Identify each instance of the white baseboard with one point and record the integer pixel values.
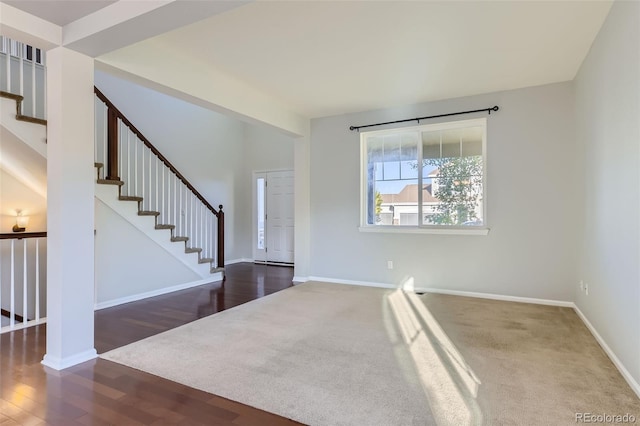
(62, 363)
(492, 296)
(135, 297)
(299, 280)
(450, 292)
(20, 326)
(612, 356)
(351, 282)
(240, 260)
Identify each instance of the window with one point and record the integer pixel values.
(430, 176)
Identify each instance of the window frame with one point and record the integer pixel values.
(422, 228)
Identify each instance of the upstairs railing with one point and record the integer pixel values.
(23, 279)
(23, 74)
(127, 156)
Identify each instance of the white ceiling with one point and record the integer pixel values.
(59, 12)
(330, 57)
(324, 58)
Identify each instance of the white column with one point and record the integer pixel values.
(70, 209)
(302, 207)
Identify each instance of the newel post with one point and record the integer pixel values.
(112, 145)
(220, 237)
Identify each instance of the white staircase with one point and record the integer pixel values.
(128, 209)
(152, 196)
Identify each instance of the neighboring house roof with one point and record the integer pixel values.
(409, 194)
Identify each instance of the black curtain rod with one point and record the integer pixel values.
(495, 108)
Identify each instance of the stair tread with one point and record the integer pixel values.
(165, 226)
(110, 182)
(129, 198)
(192, 250)
(178, 239)
(11, 95)
(148, 213)
(29, 119)
(206, 260)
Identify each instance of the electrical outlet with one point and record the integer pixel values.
(389, 264)
(586, 289)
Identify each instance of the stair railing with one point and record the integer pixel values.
(127, 156)
(23, 74)
(23, 279)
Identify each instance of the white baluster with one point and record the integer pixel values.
(12, 300)
(120, 151)
(175, 202)
(157, 183)
(8, 66)
(128, 161)
(195, 222)
(95, 130)
(33, 81)
(181, 219)
(185, 211)
(206, 228)
(164, 220)
(142, 194)
(203, 228)
(1, 46)
(24, 281)
(169, 206)
(44, 87)
(135, 167)
(104, 140)
(37, 315)
(21, 46)
(192, 235)
(150, 182)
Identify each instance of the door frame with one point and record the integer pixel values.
(254, 214)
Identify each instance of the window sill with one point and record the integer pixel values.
(421, 230)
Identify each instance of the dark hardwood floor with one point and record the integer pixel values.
(100, 392)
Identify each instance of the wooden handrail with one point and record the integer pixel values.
(21, 235)
(112, 156)
(112, 172)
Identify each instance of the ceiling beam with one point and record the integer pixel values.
(127, 22)
(24, 27)
(186, 79)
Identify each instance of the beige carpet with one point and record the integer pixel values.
(329, 354)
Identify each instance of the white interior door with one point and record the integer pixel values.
(273, 213)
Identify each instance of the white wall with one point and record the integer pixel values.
(265, 149)
(16, 195)
(531, 203)
(128, 263)
(215, 153)
(206, 147)
(608, 128)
